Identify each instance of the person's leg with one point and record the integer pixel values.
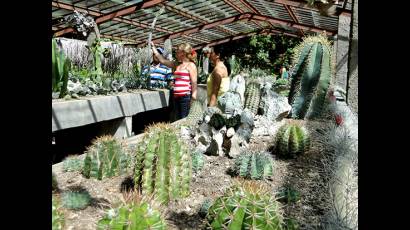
(177, 108)
(185, 103)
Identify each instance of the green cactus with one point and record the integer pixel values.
(73, 164)
(134, 216)
(252, 97)
(60, 67)
(291, 224)
(196, 111)
(292, 139)
(234, 121)
(248, 205)
(54, 184)
(205, 207)
(217, 121)
(254, 165)
(76, 198)
(105, 158)
(311, 78)
(163, 164)
(57, 216)
(288, 195)
(197, 161)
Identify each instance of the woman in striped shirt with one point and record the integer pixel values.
(185, 75)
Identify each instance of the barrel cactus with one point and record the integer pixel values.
(56, 215)
(196, 111)
(311, 78)
(246, 205)
(254, 165)
(252, 97)
(292, 139)
(217, 121)
(163, 164)
(73, 164)
(76, 198)
(133, 216)
(106, 158)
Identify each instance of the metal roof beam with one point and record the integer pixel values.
(224, 40)
(293, 16)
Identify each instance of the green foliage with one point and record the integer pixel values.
(57, 217)
(254, 165)
(163, 165)
(311, 78)
(281, 82)
(252, 97)
(134, 216)
(234, 65)
(73, 164)
(54, 183)
(60, 67)
(197, 160)
(105, 158)
(291, 140)
(291, 224)
(97, 52)
(76, 198)
(217, 121)
(248, 205)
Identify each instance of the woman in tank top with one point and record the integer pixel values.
(185, 75)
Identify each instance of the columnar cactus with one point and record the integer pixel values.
(56, 215)
(134, 216)
(76, 198)
(163, 164)
(248, 205)
(254, 165)
(105, 158)
(292, 139)
(196, 111)
(311, 78)
(252, 97)
(73, 164)
(197, 160)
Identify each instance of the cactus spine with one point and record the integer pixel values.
(258, 165)
(163, 164)
(105, 158)
(292, 139)
(311, 79)
(248, 205)
(252, 97)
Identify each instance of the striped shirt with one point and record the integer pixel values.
(182, 84)
(158, 74)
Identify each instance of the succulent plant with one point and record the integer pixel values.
(133, 216)
(73, 164)
(196, 111)
(60, 68)
(311, 79)
(203, 210)
(105, 158)
(197, 160)
(57, 216)
(163, 165)
(217, 121)
(76, 198)
(292, 139)
(288, 195)
(252, 97)
(254, 165)
(54, 184)
(247, 205)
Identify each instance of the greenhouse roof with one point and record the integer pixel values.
(198, 22)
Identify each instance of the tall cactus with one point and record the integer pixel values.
(105, 158)
(196, 111)
(311, 78)
(292, 139)
(248, 205)
(254, 165)
(60, 67)
(252, 97)
(163, 164)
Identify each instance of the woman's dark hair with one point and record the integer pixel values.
(219, 50)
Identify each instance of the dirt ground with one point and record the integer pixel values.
(303, 174)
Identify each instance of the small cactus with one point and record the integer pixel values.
(205, 207)
(57, 217)
(217, 121)
(54, 184)
(76, 198)
(254, 165)
(197, 161)
(248, 205)
(105, 158)
(73, 164)
(196, 111)
(252, 97)
(292, 139)
(133, 216)
(288, 195)
(163, 164)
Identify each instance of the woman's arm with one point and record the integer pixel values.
(193, 75)
(161, 59)
(216, 84)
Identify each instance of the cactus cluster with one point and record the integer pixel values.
(73, 164)
(252, 97)
(57, 217)
(217, 121)
(197, 160)
(163, 165)
(246, 205)
(196, 111)
(292, 139)
(254, 165)
(105, 158)
(76, 198)
(134, 216)
(311, 78)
